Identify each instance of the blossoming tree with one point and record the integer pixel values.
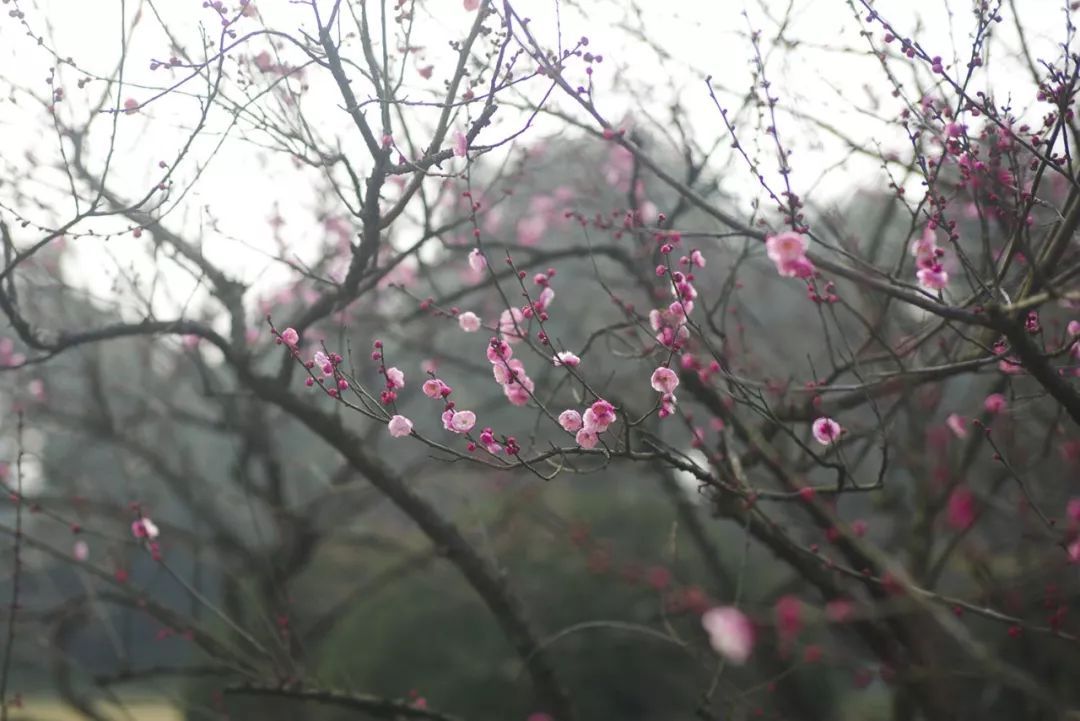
(474, 254)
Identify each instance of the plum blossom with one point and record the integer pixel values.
(664, 380)
(461, 144)
(587, 439)
(930, 274)
(81, 551)
(566, 358)
(511, 323)
(788, 252)
(477, 261)
(435, 389)
(471, 5)
(462, 421)
(730, 633)
(469, 322)
(995, 403)
(957, 425)
(570, 420)
(826, 431)
(144, 528)
(290, 337)
(399, 426)
(395, 379)
(598, 416)
(1074, 551)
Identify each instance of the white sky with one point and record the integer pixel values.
(240, 184)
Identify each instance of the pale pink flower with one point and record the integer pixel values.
(566, 358)
(785, 247)
(290, 337)
(546, 296)
(664, 380)
(80, 550)
(512, 325)
(1073, 328)
(509, 371)
(995, 403)
(499, 351)
(144, 528)
(570, 420)
(471, 5)
(462, 421)
(587, 439)
(957, 425)
(933, 278)
(477, 261)
(730, 633)
(517, 394)
(598, 417)
(399, 426)
(395, 378)
(796, 268)
(433, 388)
(697, 259)
(469, 321)
(826, 431)
(1074, 551)
(461, 144)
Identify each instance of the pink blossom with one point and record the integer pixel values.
(598, 416)
(477, 261)
(517, 394)
(80, 550)
(290, 337)
(461, 144)
(499, 350)
(785, 247)
(730, 633)
(796, 268)
(566, 358)
(509, 371)
(144, 528)
(462, 421)
(471, 5)
(570, 420)
(933, 278)
(961, 509)
(664, 380)
(697, 259)
(1074, 551)
(395, 379)
(435, 388)
(546, 296)
(587, 439)
(957, 425)
(511, 325)
(399, 426)
(994, 403)
(1073, 328)
(469, 322)
(826, 431)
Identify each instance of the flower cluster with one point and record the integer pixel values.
(588, 426)
(509, 372)
(931, 274)
(664, 381)
(788, 251)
